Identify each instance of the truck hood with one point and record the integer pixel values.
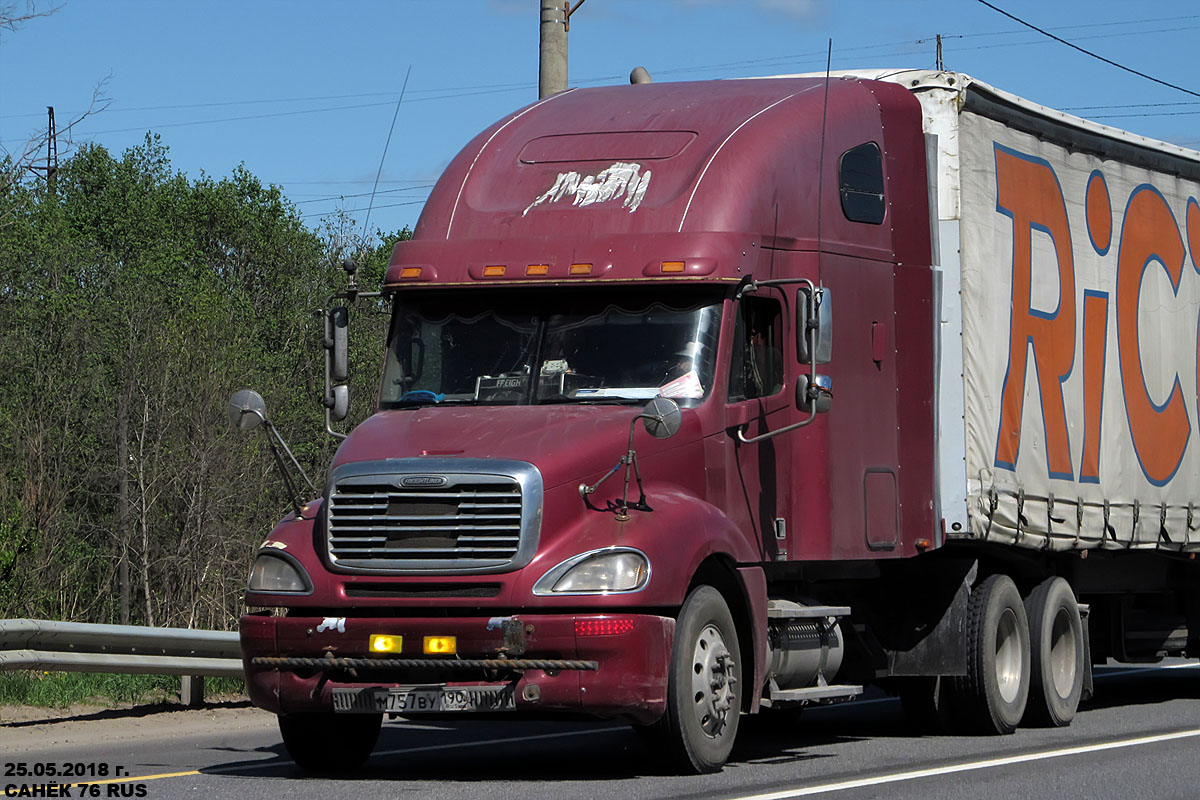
(566, 443)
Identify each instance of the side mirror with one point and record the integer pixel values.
(246, 410)
(338, 402)
(662, 418)
(337, 344)
(814, 395)
(814, 315)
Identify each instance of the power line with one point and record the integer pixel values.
(325, 198)
(1130, 105)
(217, 104)
(354, 210)
(1088, 52)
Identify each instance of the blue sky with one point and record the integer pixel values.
(303, 92)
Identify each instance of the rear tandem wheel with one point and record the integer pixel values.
(992, 696)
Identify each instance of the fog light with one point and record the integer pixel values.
(386, 643)
(441, 645)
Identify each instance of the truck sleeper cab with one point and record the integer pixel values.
(513, 531)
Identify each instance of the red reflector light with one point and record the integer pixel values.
(611, 626)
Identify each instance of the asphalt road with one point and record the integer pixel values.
(1137, 738)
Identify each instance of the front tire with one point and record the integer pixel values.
(703, 688)
(992, 696)
(1056, 636)
(328, 743)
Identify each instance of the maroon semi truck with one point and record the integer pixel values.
(701, 399)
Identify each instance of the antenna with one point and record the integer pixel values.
(383, 157)
(821, 157)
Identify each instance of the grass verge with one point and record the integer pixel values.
(65, 689)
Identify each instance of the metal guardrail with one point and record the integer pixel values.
(126, 649)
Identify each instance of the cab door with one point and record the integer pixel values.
(756, 403)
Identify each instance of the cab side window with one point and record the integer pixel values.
(860, 173)
(756, 369)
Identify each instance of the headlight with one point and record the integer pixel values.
(274, 574)
(612, 570)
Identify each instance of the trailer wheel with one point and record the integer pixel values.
(1056, 636)
(703, 695)
(328, 743)
(992, 696)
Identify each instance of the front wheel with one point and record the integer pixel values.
(703, 689)
(328, 743)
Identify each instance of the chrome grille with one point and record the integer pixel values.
(377, 523)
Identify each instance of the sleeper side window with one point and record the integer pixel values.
(860, 173)
(756, 369)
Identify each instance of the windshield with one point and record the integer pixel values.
(525, 347)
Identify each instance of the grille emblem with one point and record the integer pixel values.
(423, 480)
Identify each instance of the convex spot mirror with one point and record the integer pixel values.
(246, 410)
(814, 398)
(338, 402)
(662, 418)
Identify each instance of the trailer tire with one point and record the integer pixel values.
(992, 696)
(328, 743)
(703, 690)
(1057, 652)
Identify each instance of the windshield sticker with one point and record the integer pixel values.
(622, 181)
(688, 386)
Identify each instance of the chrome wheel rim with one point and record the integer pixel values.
(712, 681)
(1008, 656)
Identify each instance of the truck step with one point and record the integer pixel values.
(811, 694)
(786, 609)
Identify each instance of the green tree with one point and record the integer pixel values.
(133, 302)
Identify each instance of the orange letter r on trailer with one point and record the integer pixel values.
(1027, 190)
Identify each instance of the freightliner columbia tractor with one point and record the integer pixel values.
(705, 399)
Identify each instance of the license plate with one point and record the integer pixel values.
(424, 699)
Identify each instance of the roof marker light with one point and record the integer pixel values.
(410, 272)
(494, 271)
(581, 269)
(537, 269)
(672, 266)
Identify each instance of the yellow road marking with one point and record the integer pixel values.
(137, 779)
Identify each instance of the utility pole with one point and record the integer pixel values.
(552, 64)
(51, 168)
(940, 65)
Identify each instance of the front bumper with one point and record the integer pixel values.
(631, 654)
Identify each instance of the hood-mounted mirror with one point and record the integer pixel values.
(662, 420)
(247, 411)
